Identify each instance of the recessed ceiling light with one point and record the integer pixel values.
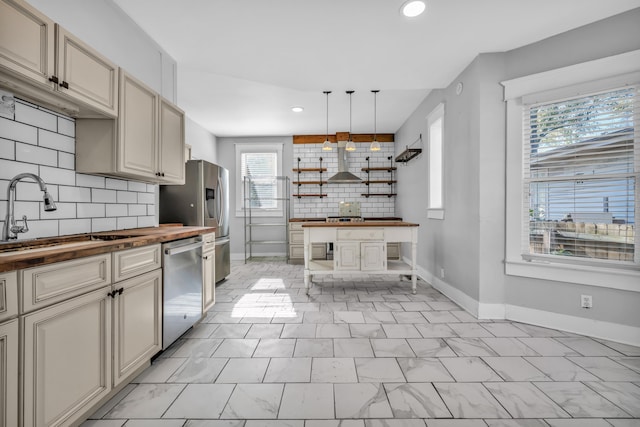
(413, 8)
(297, 109)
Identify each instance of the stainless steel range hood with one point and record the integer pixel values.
(343, 176)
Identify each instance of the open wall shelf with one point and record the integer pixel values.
(319, 182)
(408, 154)
(390, 182)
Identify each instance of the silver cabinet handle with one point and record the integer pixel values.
(183, 248)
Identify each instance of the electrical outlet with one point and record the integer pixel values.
(586, 301)
(441, 272)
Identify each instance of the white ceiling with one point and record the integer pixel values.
(242, 64)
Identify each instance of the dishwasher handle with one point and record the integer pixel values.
(183, 248)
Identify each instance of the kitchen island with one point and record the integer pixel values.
(359, 248)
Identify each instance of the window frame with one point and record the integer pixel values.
(567, 82)
(438, 113)
(266, 147)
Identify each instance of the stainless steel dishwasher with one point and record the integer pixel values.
(182, 287)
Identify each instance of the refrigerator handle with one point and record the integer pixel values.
(219, 204)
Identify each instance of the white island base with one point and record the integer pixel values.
(359, 248)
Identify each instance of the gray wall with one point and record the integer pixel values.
(203, 143)
(470, 242)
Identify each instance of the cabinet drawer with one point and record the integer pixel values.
(45, 285)
(296, 237)
(360, 234)
(133, 262)
(8, 295)
(295, 226)
(296, 251)
(209, 241)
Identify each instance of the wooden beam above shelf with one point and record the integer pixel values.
(343, 136)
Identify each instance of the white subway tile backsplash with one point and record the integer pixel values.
(33, 154)
(146, 198)
(75, 226)
(30, 191)
(63, 211)
(34, 117)
(91, 210)
(30, 209)
(9, 169)
(103, 196)
(66, 160)
(66, 127)
(140, 187)
(41, 228)
(42, 142)
(147, 221)
(103, 224)
(56, 141)
(127, 197)
(7, 149)
(137, 210)
(114, 209)
(18, 131)
(52, 175)
(93, 181)
(125, 223)
(115, 184)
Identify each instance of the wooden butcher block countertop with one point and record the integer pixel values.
(20, 254)
(360, 224)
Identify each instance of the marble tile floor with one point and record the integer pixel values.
(365, 352)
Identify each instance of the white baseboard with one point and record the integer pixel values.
(563, 322)
(579, 325)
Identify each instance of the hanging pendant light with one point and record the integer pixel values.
(326, 145)
(375, 145)
(350, 144)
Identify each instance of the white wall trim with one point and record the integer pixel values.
(563, 322)
(579, 325)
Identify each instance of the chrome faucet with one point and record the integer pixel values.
(11, 229)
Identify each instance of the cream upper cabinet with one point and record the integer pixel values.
(67, 359)
(171, 143)
(9, 373)
(27, 45)
(145, 142)
(137, 323)
(137, 128)
(35, 49)
(85, 75)
(8, 295)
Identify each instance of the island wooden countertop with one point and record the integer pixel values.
(21, 254)
(360, 224)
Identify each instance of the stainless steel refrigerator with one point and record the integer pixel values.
(203, 200)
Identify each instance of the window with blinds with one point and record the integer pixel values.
(581, 169)
(258, 171)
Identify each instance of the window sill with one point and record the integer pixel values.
(435, 213)
(612, 278)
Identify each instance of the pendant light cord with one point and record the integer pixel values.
(375, 114)
(327, 92)
(350, 92)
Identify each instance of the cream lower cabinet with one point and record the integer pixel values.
(208, 272)
(137, 323)
(9, 373)
(67, 359)
(296, 245)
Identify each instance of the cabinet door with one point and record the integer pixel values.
(86, 75)
(374, 256)
(8, 295)
(9, 373)
(347, 256)
(137, 323)
(137, 128)
(26, 41)
(208, 280)
(171, 146)
(67, 359)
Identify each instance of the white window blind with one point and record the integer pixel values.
(581, 170)
(258, 172)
